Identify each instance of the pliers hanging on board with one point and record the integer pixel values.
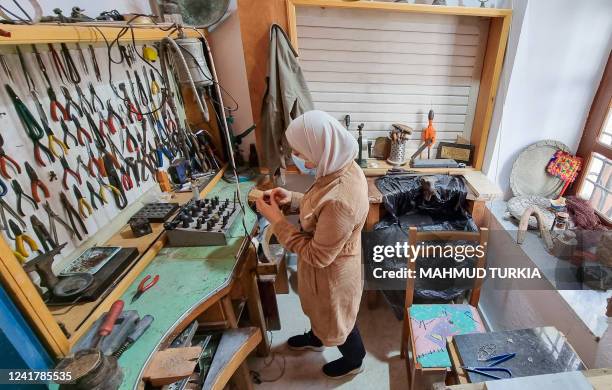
(53, 141)
(72, 72)
(21, 239)
(24, 68)
(95, 161)
(20, 194)
(42, 233)
(67, 171)
(82, 203)
(4, 208)
(67, 134)
(95, 99)
(81, 131)
(83, 102)
(34, 131)
(57, 63)
(54, 104)
(36, 184)
(93, 195)
(112, 114)
(126, 180)
(70, 103)
(53, 216)
(133, 165)
(4, 159)
(114, 190)
(72, 215)
(114, 180)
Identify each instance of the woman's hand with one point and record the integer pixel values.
(270, 211)
(280, 195)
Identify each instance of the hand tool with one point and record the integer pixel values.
(4, 159)
(67, 134)
(103, 122)
(97, 162)
(112, 114)
(130, 141)
(55, 105)
(126, 180)
(133, 165)
(21, 239)
(68, 170)
(93, 195)
(114, 190)
(72, 215)
(6, 68)
(72, 71)
(144, 286)
(41, 65)
(83, 102)
(495, 360)
(124, 55)
(98, 133)
(82, 58)
(94, 61)
(154, 86)
(20, 194)
(141, 91)
(140, 328)
(42, 233)
(131, 109)
(36, 183)
(57, 63)
(81, 164)
(95, 99)
(34, 131)
(53, 141)
(113, 179)
(4, 208)
(81, 132)
(24, 69)
(70, 103)
(82, 203)
(53, 216)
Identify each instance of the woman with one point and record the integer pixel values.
(328, 241)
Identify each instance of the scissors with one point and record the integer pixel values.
(492, 367)
(144, 286)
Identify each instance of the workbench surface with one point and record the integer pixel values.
(188, 277)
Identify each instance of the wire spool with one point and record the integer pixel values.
(196, 63)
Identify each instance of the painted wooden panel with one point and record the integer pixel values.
(383, 67)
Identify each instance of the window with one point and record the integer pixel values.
(595, 182)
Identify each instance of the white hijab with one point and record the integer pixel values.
(320, 138)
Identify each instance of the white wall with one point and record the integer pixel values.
(558, 58)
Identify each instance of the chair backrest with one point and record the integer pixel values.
(414, 237)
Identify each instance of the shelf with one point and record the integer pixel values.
(56, 33)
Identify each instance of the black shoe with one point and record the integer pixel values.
(341, 368)
(305, 341)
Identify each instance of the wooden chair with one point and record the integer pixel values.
(421, 364)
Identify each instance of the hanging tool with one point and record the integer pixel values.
(54, 105)
(24, 69)
(53, 216)
(53, 141)
(70, 102)
(81, 132)
(67, 171)
(95, 99)
(114, 190)
(5, 208)
(95, 161)
(82, 58)
(96, 131)
(21, 239)
(6, 68)
(133, 165)
(67, 134)
(112, 114)
(20, 194)
(42, 233)
(41, 65)
(72, 72)
(144, 286)
(32, 128)
(4, 159)
(36, 184)
(58, 66)
(72, 215)
(94, 61)
(93, 195)
(495, 360)
(126, 180)
(140, 328)
(114, 180)
(82, 203)
(83, 102)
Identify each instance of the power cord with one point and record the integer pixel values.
(256, 375)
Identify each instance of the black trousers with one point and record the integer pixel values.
(352, 350)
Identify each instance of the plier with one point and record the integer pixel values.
(492, 367)
(4, 159)
(53, 216)
(93, 195)
(70, 102)
(114, 180)
(72, 214)
(67, 134)
(95, 99)
(81, 131)
(21, 239)
(20, 194)
(5, 207)
(144, 286)
(97, 162)
(114, 190)
(112, 114)
(83, 102)
(53, 141)
(68, 170)
(133, 165)
(126, 180)
(82, 203)
(36, 183)
(42, 233)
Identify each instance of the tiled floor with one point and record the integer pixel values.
(381, 335)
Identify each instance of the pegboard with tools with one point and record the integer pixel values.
(84, 130)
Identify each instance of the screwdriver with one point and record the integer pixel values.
(140, 328)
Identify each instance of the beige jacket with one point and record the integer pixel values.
(332, 213)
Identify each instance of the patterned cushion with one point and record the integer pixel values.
(432, 324)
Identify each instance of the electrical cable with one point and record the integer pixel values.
(256, 375)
